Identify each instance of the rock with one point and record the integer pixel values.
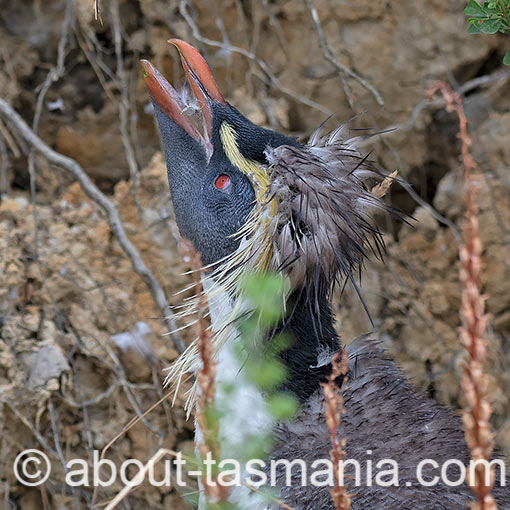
(47, 363)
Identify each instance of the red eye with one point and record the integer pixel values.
(222, 181)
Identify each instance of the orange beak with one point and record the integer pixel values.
(202, 83)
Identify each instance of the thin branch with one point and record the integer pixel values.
(424, 105)
(58, 448)
(112, 213)
(330, 57)
(33, 429)
(428, 103)
(4, 157)
(124, 106)
(9, 140)
(125, 429)
(139, 477)
(54, 74)
(97, 12)
(248, 54)
(423, 203)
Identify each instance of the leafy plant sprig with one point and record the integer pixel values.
(266, 293)
(262, 371)
(491, 17)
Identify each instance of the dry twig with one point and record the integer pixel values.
(3, 167)
(380, 190)
(476, 416)
(127, 427)
(429, 103)
(124, 105)
(334, 403)
(425, 105)
(139, 477)
(54, 74)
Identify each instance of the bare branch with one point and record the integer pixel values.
(427, 104)
(330, 57)
(124, 105)
(3, 167)
(54, 74)
(9, 140)
(56, 440)
(139, 477)
(248, 54)
(112, 213)
(408, 124)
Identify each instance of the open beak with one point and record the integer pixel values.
(204, 88)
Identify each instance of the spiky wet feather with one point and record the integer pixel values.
(325, 219)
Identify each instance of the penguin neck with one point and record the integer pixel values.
(313, 340)
(310, 333)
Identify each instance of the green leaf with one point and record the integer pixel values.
(212, 418)
(474, 9)
(267, 373)
(228, 388)
(256, 447)
(265, 291)
(282, 406)
(251, 333)
(490, 26)
(261, 286)
(224, 505)
(492, 8)
(474, 28)
(506, 58)
(278, 344)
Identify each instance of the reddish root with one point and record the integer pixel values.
(477, 411)
(334, 404)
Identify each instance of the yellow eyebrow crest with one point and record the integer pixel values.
(255, 172)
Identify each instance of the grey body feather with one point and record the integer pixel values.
(386, 415)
